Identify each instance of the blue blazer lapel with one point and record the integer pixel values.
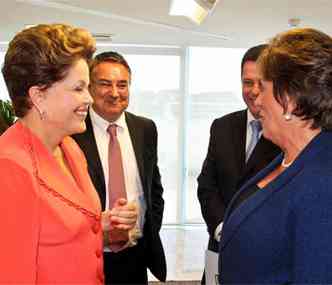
(234, 219)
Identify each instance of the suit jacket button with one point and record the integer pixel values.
(96, 227)
(98, 253)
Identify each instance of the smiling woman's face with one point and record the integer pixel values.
(66, 102)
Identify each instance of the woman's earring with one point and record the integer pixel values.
(42, 113)
(288, 116)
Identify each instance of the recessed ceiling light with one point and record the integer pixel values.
(195, 10)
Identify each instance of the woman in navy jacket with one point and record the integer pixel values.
(278, 228)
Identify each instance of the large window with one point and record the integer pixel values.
(182, 90)
(155, 93)
(214, 90)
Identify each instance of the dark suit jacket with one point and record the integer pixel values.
(282, 233)
(224, 168)
(143, 135)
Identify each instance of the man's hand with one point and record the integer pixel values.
(106, 220)
(117, 223)
(123, 215)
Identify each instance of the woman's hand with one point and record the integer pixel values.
(124, 215)
(117, 223)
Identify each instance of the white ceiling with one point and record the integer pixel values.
(233, 23)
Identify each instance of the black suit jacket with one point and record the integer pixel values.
(225, 169)
(143, 134)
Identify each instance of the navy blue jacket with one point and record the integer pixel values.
(283, 233)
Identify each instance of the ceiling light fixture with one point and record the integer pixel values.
(195, 10)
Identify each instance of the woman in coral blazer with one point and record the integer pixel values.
(51, 215)
(50, 222)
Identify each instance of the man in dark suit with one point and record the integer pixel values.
(141, 247)
(226, 166)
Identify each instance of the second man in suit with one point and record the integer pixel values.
(140, 248)
(232, 158)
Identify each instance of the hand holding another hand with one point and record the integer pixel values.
(123, 215)
(118, 221)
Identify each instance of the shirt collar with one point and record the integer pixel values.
(250, 117)
(103, 124)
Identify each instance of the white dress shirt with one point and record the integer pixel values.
(133, 182)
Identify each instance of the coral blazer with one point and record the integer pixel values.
(50, 222)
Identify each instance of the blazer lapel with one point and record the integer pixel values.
(234, 219)
(239, 127)
(79, 171)
(59, 184)
(264, 150)
(240, 214)
(137, 139)
(87, 143)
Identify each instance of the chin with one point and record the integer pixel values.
(80, 128)
(267, 135)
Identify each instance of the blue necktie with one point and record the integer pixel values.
(255, 130)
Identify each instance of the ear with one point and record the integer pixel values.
(36, 95)
(290, 104)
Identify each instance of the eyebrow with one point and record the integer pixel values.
(110, 80)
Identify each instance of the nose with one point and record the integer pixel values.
(258, 100)
(255, 89)
(114, 92)
(88, 98)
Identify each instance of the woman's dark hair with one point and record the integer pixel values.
(40, 56)
(299, 64)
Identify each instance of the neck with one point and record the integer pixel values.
(297, 144)
(39, 128)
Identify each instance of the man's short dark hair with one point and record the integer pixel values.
(252, 54)
(109, 56)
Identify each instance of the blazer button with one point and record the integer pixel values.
(96, 227)
(98, 253)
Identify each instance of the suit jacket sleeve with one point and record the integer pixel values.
(156, 186)
(212, 206)
(19, 224)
